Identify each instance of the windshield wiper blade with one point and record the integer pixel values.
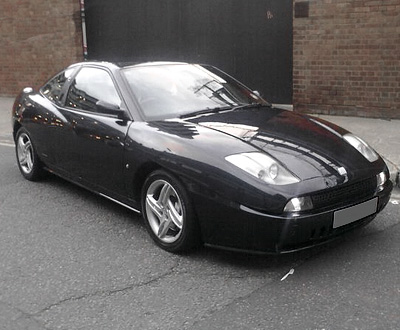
(205, 111)
(219, 109)
(252, 105)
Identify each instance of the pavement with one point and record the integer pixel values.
(6, 104)
(382, 134)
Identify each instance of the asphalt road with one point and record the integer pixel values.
(72, 260)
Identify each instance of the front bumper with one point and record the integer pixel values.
(240, 228)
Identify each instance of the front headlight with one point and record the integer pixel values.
(362, 147)
(263, 167)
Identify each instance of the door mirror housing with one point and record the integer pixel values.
(111, 109)
(28, 90)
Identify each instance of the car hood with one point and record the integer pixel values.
(307, 146)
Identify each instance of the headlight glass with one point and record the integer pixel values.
(263, 167)
(362, 147)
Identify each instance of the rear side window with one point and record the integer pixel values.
(53, 90)
(90, 86)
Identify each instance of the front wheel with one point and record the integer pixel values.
(27, 158)
(168, 213)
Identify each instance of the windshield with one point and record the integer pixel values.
(166, 91)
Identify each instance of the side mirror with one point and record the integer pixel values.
(111, 109)
(27, 90)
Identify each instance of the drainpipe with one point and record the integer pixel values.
(84, 39)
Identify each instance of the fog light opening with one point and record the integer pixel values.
(299, 204)
(381, 179)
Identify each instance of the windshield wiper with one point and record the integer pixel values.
(252, 105)
(219, 109)
(205, 111)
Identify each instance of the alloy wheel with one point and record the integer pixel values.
(164, 211)
(25, 153)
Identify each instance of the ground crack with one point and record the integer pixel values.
(276, 278)
(108, 293)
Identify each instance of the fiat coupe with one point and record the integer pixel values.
(203, 158)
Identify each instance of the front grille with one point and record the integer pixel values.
(343, 194)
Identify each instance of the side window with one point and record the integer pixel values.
(90, 86)
(53, 89)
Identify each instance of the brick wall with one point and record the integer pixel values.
(37, 39)
(347, 57)
(346, 52)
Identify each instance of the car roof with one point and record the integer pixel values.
(116, 65)
(155, 63)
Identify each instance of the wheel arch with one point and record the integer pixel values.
(193, 233)
(140, 177)
(16, 127)
(145, 170)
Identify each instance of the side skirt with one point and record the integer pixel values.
(91, 190)
(120, 203)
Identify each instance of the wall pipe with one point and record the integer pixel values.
(84, 38)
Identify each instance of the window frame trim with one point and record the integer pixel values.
(111, 75)
(64, 89)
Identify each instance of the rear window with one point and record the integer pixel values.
(54, 89)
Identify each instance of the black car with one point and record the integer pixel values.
(203, 158)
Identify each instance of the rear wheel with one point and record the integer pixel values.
(168, 213)
(27, 158)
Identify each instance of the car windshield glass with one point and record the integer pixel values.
(166, 91)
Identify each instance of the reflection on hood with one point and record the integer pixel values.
(182, 129)
(292, 139)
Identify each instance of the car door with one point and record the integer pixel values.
(42, 115)
(91, 144)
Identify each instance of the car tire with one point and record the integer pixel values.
(28, 161)
(168, 213)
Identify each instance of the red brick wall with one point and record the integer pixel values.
(347, 58)
(37, 39)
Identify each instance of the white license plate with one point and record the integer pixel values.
(354, 213)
